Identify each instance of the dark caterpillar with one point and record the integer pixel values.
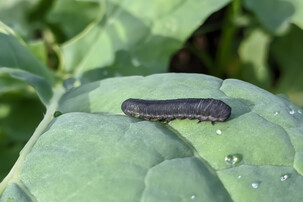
(166, 110)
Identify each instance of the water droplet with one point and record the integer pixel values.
(239, 176)
(299, 111)
(255, 185)
(233, 159)
(276, 113)
(57, 113)
(193, 197)
(284, 177)
(292, 111)
(219, 132)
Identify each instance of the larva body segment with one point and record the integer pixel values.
(166, 110)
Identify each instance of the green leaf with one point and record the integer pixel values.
(276, 15)
(64, 14)
(94, 152)
(9, 84)
(14, 13)
(17, 62)
(154, 33)
(298, 16)
(41, 86)
(15, 55)
(129, 169)
(254, 53)
(38, 48)
(287, 53)
(282, 183)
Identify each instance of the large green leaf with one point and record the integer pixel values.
(92, 152)
(145, 34)
(276, 15)
(64, 14)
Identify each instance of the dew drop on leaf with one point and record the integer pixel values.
(292, 111)
(57, 113)
(255, 185)
(284, 177)
(219, 132)
(233, 159)
(193, 197)
(276, 113)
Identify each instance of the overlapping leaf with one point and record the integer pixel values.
(276, 15)
(17, 62)
(130, 33)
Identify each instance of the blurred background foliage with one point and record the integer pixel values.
(259, 41)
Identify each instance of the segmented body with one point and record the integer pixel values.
(166, 110)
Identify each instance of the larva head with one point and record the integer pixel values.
(130, 107)
(220, 110)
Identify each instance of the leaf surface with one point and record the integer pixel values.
(104, 155)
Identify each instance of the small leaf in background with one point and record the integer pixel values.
(298, 16)
(38, 49)
(14, 13)
(287, 52)
(17, 62)
(150, 36)
(275, 15)
(253, 52)
(15, 55)
(41, 86)
(9, 84)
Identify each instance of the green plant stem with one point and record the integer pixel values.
(229, 30)
(13, 175)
